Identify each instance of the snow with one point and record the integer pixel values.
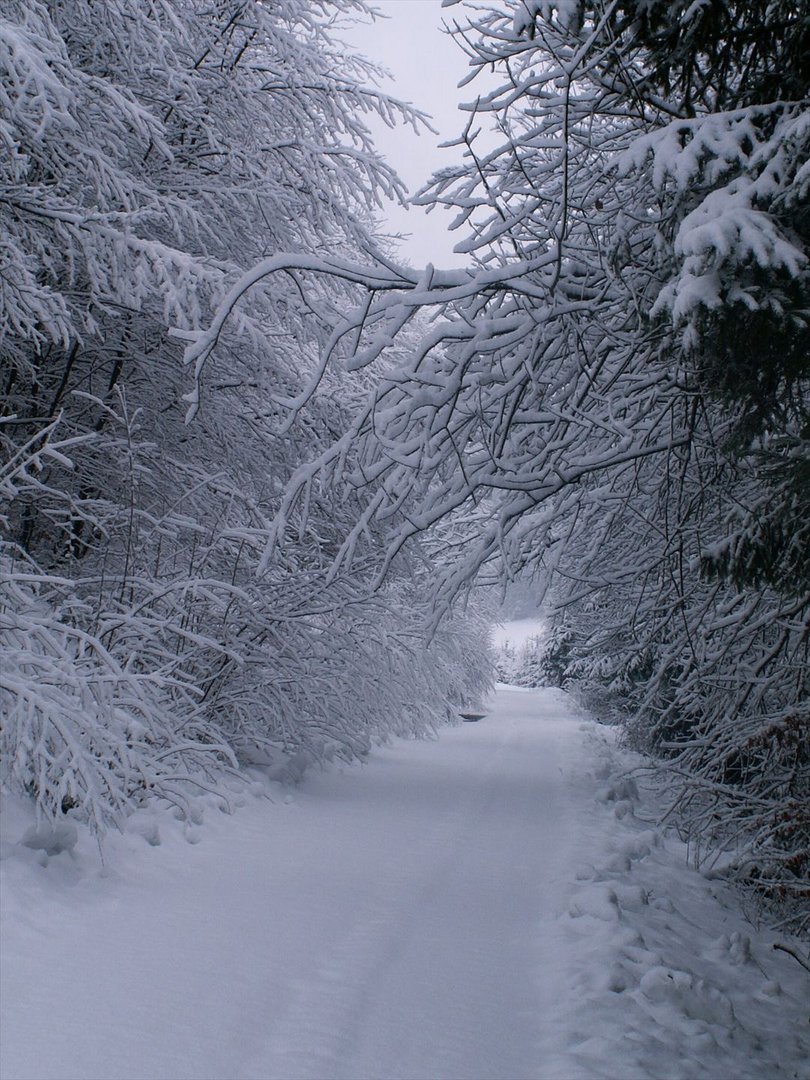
(490, 904)
(517, 632)
(743, 155)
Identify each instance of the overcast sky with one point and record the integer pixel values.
(426, 66)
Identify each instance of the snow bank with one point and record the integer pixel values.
(673, 978)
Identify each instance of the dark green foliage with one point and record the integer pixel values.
(751, 357)
(552, 656)
(721, 54)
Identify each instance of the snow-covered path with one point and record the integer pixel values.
(419, 956)
(414, 917)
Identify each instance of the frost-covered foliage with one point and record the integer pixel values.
(151, 152)
(505, 662)
(615, 396)
(528, 664)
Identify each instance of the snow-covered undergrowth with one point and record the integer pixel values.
(684, 981)
(497, 902)
(103, 712)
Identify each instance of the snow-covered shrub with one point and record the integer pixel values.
(84, 726)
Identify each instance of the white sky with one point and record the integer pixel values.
(426, 66)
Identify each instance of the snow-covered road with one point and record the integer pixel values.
(436, 913)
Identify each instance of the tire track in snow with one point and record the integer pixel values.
(432, 978)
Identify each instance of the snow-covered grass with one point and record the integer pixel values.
(493, 903)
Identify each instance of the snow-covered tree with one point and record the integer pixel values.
(595, 399)
(505, 662)
(153, 151)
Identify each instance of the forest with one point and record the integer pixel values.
(263, 483)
